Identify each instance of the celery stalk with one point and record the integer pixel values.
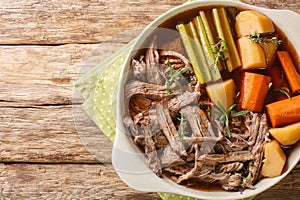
(236, 62)
(218, 25)
(209, 55)
(194, 51)
(210, 37)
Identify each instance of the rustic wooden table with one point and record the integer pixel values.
(44, 47)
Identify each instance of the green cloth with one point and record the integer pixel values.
(98, 88)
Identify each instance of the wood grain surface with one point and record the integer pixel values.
(49, 148)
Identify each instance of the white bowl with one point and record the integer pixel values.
(127, 159)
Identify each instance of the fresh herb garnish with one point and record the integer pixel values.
(258, 38)
(174, 76)
(281, 91)
(220, 50)
(225, 115)
(277, 92)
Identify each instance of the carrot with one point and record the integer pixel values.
(278, 80)
(284, 112)
(289, 70)
(254, 89)
(277, 77)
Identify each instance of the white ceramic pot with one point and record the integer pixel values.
(128, 160)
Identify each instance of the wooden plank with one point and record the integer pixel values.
(69, 181)
(36, 75)
(83, 21)
(97, 181)
(57, 134)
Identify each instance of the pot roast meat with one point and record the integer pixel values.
(180, 101)
(128, 122)
(231, 145)
(197, 120)
(139, 103)
(230, 167)
(139, 68)
(233, 182)
(254, 166)
(151, 91)
(153, 73)
(237, 156)
(169, 158)
(150, 151)
(168, 128)
(252, 124)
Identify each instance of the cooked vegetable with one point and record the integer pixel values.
(274, 160)
(252, 55)
(287, 135)
(250, 22)
(279, 88)
(224, 92)
(195, 53)
(277, 76)
(289, 70)
(254, 88)
(209, 55)
(270, 49)
(234, 55)
(211, 39)
(224, 32)
(284, 112)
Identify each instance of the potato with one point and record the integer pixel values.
(287, 135)
(274, 160)
(270, 49)
(252, 55)
(224, 92)
(251, 22)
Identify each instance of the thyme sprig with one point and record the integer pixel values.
(174, 76)
(220, 51)
(259, 38)
(226, 115)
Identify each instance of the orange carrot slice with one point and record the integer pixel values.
(289, 70)
(284, 112)
(254, 88)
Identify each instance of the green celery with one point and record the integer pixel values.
(235, 58)
(218, 25)
(194, 51)
(210, 37)
(209, 55)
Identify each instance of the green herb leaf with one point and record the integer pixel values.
(241, 113)
(225, 115)
(174, 76)
(258, 38)
(220, 51)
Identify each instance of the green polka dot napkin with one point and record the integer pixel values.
(98, 87)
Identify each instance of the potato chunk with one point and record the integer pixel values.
(270, 49)
(224, 92)
(251, 22)
(252, 55)
(287, 135)
(274, 160)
